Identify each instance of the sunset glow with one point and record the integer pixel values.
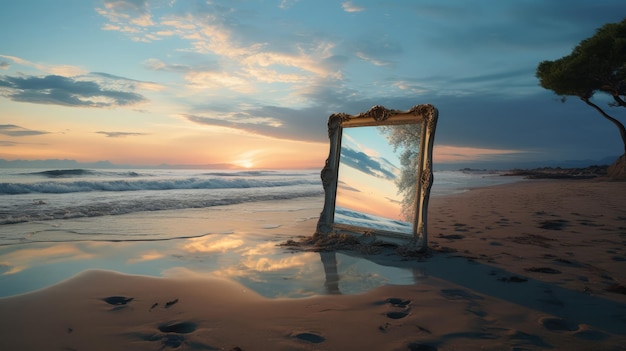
(251, 84)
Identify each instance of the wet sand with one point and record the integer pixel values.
(527, 266)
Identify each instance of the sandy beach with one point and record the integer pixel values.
(533, 265)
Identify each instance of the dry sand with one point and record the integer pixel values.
(528, 266)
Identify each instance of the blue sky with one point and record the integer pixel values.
(252, 83)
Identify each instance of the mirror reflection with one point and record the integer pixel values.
(377, 177)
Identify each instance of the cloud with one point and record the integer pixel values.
(363, 56)
(448, 153)
(158, 65)
(4, 65)
(349, 6)
(129, 16)
(6, 143)
(120, 134)
(63, 70)
(307, 124)
(243, 53)
(285, 4)
(118, 82)
(379, 49)
(341, 184)
(64, 91)
(17, 131)
(377, 167)
(489, 100)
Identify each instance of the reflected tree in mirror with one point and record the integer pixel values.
(405, 139)
(378, 175)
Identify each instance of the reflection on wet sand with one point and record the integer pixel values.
(212, 244)
(254, 260)
(23, 258)
(329, 260)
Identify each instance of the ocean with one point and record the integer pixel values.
(157, 222)
(28, 195)
(34, 195)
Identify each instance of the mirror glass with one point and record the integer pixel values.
(376, 184)
(378, 174)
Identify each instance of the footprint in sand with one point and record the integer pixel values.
(398, 303)
(396, 314)
(171, 336)
(117, 300)
(171, 303)
(179, 328)
(173, 330)
(557, 224)
(558, 324)
(421, 347)
(546, 270)
(172, 340)
(310, 337)
(401, 310)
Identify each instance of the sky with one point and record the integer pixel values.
(367, 173)
(251, 83)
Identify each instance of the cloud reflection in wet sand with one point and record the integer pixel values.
(212, 244)
(190, 243)
(22, 259)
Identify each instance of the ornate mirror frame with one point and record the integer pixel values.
(426, 115)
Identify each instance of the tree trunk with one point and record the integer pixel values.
(620, 126)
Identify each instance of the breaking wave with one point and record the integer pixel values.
(55, 187)
(92, 207)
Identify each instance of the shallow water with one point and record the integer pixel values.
(226, 232)
(239, 242)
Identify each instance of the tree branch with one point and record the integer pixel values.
(620, 126)
(619, 100)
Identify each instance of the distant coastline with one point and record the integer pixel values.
(560, 173)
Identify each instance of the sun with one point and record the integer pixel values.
(246, 163)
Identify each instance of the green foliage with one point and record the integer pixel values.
(597, 64)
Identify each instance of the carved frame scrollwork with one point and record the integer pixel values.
(425, 114)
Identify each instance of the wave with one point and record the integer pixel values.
(79, 172)
(55, 187)
(42, 210)
(354, 218)
(353, 214)
(61, 173)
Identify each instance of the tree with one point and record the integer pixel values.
(596, 65)
(405, 137)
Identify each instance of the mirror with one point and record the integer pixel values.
(378, 175)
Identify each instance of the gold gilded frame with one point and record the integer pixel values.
(427, 116)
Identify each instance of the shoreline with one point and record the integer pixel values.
(526, 265)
